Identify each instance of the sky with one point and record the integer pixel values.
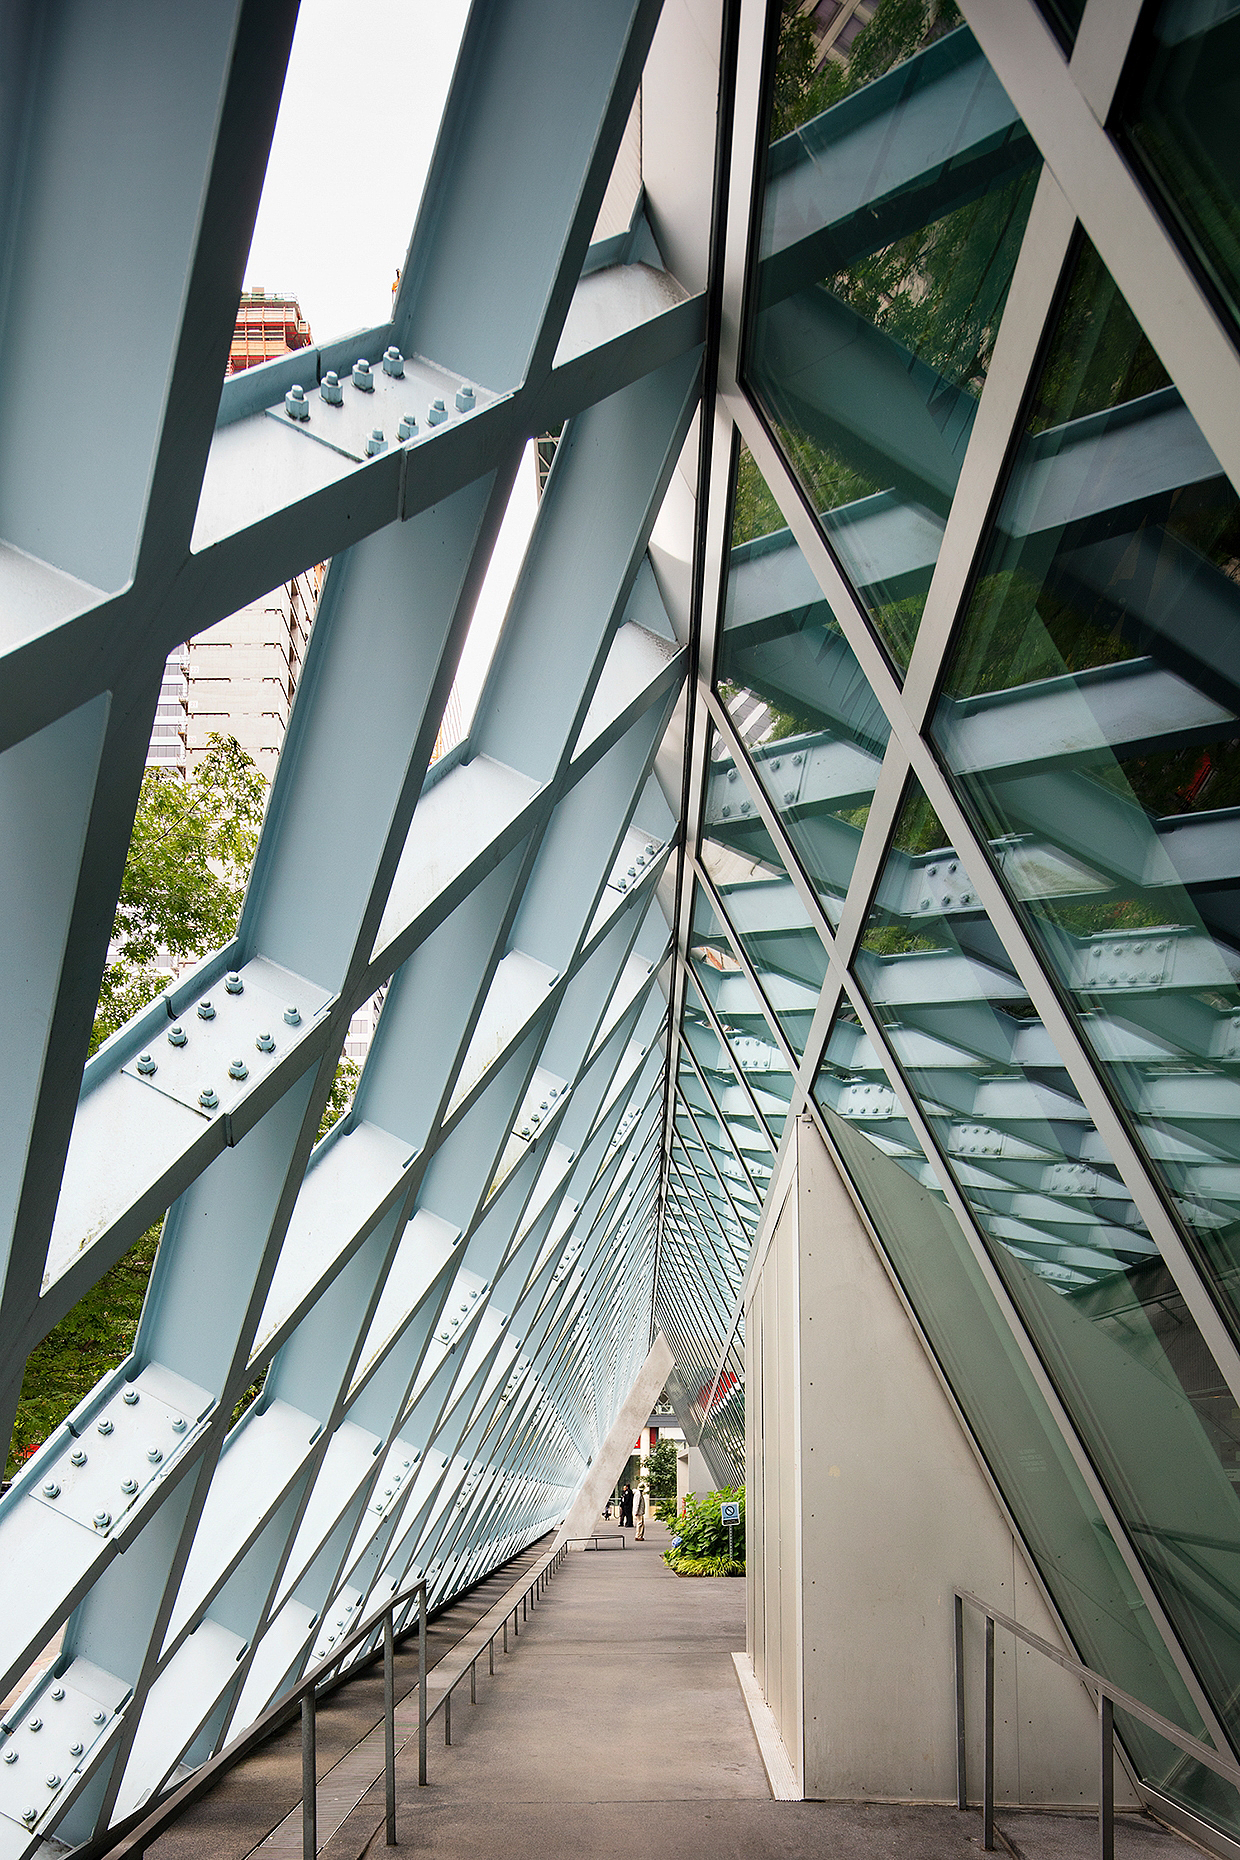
(362, 100)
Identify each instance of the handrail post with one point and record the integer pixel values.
(505, 1633)
(309, 1779)
(389, 1727)
(422, 1685)
(1106, 1778)
(473, 1682)
(988, 1781)
(447, 1716)
(962, 1789)
(491, 1655)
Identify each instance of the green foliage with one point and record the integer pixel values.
(702, 1565)
(897, 29)
(91, 1340)
(701, 1532)
(189, 858)
(754, 510)
(661, 1473)
(348, 1072)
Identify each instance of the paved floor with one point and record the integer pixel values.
(254, 1798)
(615, 1730)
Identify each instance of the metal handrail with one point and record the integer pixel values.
(132, 1843)
(1109, 1696)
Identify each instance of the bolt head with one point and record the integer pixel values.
(58, 1692)
(53, 1781)
(154, 1455)
(10, 1756)
(238, 1070)
(35, 1724)
(51, 1489)
(207, 1098)
(75, 1750)
(102, 1520)
(146, 1065)
(179, 1424)
(105, 1427)
(130, 1398)
(101, 1717)
(177, 1036)
(265, 1043)
(205, 1011)
(292, 1017)
(77, 1457)
(129, 1487)
(234, 984)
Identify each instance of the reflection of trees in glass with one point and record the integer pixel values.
(1019, 631)
(754, 511)
(939, 292)
(897, 29)
(1099, 357)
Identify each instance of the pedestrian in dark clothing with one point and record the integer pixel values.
(626, 1506)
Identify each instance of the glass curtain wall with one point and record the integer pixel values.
(1080, 700)
(898, 183)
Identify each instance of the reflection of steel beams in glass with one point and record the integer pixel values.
(899, 154)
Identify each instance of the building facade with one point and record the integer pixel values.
(812, 982)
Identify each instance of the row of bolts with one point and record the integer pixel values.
(30, 1815)
(331, 392)
(148, 1066)
(103, 1519)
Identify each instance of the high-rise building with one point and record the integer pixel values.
(242, 673)
(268, 324)
(238, 677)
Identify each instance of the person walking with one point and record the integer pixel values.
(626, 1506)
(640, 1510)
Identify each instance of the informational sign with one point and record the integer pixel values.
(730, 1511)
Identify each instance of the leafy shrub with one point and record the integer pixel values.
(702, 1565)
(701, 1533)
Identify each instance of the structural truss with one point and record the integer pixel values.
(861, 745)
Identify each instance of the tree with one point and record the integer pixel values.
(661, 1473)
(189, 858)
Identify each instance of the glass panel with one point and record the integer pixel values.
(896, 195)
(1064, 19)
(762, 1103)
(761, 903)
(1177, 117)
(1071, 1546)
(814, 730)
(726, 986)
(1131, 1366)
(1089, 716)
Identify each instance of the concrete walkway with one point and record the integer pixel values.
(614, 1729)
(617, 1731)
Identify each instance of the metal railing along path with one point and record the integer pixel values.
(1108, 1696)
(131, 1844)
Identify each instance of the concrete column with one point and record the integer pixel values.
(610, 1459)
(867, 1507)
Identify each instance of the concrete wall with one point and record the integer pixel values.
(692, 1474)
(773, 1482)
(596, 1488)
(867, 1507)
